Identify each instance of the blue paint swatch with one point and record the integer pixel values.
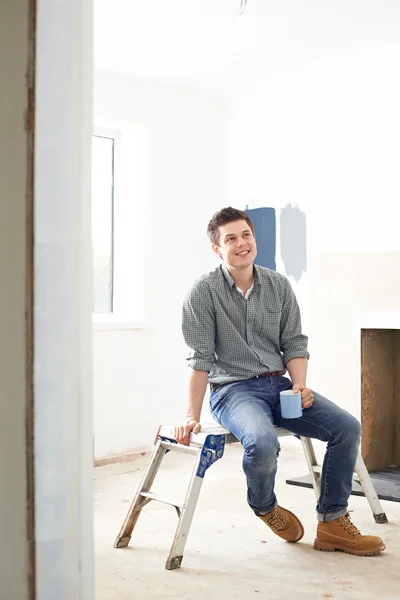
(293, 229)
(264, 221)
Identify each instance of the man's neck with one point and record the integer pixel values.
(243, 278)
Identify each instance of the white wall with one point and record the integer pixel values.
(140, 375)
(322, 135)
(14, 557)
(46, 505)
(326, 138)
(63, 448)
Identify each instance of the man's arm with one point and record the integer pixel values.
(197, 389)
(198, 327)
(294, 345)
(297, 368)
(293, 342)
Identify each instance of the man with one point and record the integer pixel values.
(242, 323)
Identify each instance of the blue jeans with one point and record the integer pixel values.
(249, 409)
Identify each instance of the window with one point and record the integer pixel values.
(103, 163)
(118, 241)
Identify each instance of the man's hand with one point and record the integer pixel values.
(307, 397)
(184, 429)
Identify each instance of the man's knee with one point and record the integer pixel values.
(262, 447)
(353, 428)
(349, 430)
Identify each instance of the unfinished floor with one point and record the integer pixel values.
(230, 553)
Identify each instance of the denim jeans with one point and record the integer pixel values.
(249, 409)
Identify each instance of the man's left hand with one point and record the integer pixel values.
(307, 397)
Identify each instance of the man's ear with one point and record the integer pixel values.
(216, 250)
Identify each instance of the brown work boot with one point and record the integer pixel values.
(342, 534)
(284, 523)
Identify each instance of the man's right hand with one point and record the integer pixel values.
(183, 430)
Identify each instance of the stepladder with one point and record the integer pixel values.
(206, 448)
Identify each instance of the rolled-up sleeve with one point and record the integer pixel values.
(292, 341)
(198, 327)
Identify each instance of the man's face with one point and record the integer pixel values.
(237, 245)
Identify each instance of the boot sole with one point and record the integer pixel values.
(294, 541)
(299, 536)
(328, 547)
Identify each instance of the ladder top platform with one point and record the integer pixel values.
(210, 429)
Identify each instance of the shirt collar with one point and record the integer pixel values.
(229, 278)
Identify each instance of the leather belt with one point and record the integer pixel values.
(267, 374)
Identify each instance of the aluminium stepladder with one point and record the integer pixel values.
(207, 447)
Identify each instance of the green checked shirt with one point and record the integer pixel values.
(234, 338)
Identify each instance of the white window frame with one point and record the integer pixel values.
(128, 234)
(114, 138)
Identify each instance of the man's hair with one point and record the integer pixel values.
(224, 216)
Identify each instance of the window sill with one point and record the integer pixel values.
(115, 322)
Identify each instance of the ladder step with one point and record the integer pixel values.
(158, 498)
(318, 469)
(180, 448)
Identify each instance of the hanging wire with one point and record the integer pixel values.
(243, 4)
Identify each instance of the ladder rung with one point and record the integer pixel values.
(180, 447)
(318, 469)
(158, 498)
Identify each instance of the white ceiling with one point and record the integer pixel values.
(204, 43)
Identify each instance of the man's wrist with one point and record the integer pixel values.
(191, 417)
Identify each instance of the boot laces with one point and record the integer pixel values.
(348, 525)
(275, 519)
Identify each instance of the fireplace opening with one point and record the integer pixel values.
(380, 414)
(380, 409)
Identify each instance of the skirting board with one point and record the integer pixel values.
(119, 458)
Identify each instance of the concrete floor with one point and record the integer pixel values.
(230, 553)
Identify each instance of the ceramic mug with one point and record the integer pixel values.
(291, 404)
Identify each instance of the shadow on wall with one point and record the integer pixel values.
(293, 234)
